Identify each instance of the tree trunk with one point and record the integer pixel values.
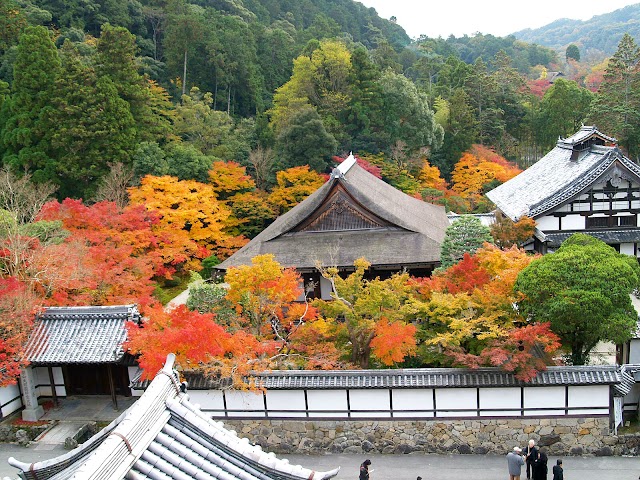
(184, 73)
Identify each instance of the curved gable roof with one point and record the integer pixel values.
(418, 225)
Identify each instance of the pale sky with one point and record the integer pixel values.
(496, 17)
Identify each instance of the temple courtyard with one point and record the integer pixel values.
(398, 467)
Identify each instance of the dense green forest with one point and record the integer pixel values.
(597, 37)
(169, 87)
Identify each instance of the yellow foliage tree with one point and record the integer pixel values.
(190, 208)
(294, 185)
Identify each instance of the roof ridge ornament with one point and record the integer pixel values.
(341, 170)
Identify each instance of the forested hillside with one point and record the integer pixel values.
(597, 37)
(143, 140)
(171, 87)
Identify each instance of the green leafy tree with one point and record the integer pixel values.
(572, 52)
(563, 108)
(406, 115)
(460, 132)
(482, 89)
(150, 159)
(188, 163)
(616, 108)
(305, 141)
(464, 235)
(12, 22)
(210, 131)
(583, 290)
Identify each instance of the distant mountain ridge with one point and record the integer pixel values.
(598, 36)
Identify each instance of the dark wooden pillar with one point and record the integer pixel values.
(54, 394)
(112, 387)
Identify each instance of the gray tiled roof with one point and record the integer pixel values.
(627, 235)
(418, 378)
(556, 177)
(414, 238)
(63, 335)
(162, 436)
(583, 134)
(627, 379)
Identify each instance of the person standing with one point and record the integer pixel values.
(530, 455)
(364, 470)
(540, 466)
(515, 461)
(558, 473)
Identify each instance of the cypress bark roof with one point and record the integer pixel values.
(353, 215)
(571, 167)
(164, 435)
(63, 335)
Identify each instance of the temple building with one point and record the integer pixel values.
(77, 351)
(354, 214)
(161, 436)
(584, 185)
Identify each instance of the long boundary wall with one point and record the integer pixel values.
(558, 436)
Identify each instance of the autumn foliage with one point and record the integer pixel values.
(17, 309)
(197, 341)
(294, 185)
(469, 314)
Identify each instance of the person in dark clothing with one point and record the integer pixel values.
(540, 467)
(530, 456)
(364, 470)
(558, 473)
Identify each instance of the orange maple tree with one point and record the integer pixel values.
(17, 310)
(229, 179)
(264, 294)
(375, 322)
(506, 232)
(198, 342)
(479, 170)
(109, 257)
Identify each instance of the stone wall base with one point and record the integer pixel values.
(561, 436)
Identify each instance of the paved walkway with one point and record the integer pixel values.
(87, 408)
(404, 467)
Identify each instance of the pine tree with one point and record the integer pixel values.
(94, 126)
(616, 109)
(26, 129)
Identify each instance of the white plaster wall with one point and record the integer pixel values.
(11, 396)
(41, 375)
(134, 373)
(627, 248)
(291, 402)
(604, 353)
(376, 403)
(634, 351)
(208, 400)
(548, 223)
(331, 400)
(459, 399)
(589, 396)
(573, 222)
(245, 402)
(543, 397)
(412, 399)
(507, 398)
